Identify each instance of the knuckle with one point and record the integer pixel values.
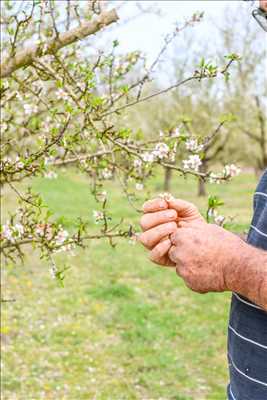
(172, 226)
(169, 213)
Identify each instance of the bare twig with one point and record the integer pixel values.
(26, 57)
(145, 98)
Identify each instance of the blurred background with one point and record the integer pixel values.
(122, 328)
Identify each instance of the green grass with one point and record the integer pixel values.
(121, 328)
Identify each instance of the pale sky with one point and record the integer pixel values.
(146, 32)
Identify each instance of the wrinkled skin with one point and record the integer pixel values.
(177, 236)
(159, 221)
(205, 257)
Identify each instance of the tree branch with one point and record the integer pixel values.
(26, 57)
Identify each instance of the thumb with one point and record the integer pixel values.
(179, 204)
(184, 208)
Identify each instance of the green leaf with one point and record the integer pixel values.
(214, 202)
(124, 89)
(124, 133)
(202, 62)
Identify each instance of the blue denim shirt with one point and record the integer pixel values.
(247, 333)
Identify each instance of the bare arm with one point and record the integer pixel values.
(207, 257)
(249, 277)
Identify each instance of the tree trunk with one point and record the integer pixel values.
(167, 179)
(201, 184)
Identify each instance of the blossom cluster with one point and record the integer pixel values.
(192, 163)
(12, 232)
(231, 170)
(160, 152)
(218, 218)
(192, 145)
(55, 235)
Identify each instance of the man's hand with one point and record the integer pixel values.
(211, 259)
(160, 220)
(206, 256)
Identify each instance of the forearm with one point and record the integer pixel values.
(249, 275)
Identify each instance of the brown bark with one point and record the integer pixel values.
(26, 57)
(167, 179)
(201, 184)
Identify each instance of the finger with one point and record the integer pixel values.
(159, 254)
(172, 253)
(183, 207)
(155, 205)
(150, 220)
(153, 236)
(177, 237)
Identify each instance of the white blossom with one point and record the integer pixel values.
(133, 240)
(175, 133)
(50, 175)
(213, 178)
(166, 196)
(18, 229)
(53, 271)
(48, 160)
(102, 196)
(161, 150)
(61, 94)
(19, 163)
(12, 233)
(192, 163)
(7, 232)
(161, 134)
(139, 186)
(44, 230)
(45, 47)
(61, 236)
(219, 219)
(231, 170)
(137, 163)
(148, 157)
(106, 173)
(192, 145)
(30, 108)
(19, 97)
(98, 216)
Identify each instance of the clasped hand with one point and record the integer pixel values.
(176, 235)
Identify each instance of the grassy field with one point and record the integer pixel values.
(121, 328)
